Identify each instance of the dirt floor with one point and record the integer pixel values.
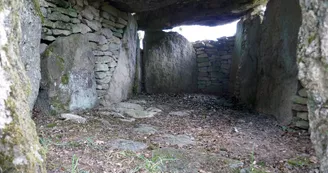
(215, 126)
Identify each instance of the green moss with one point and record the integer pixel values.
(38, 10)
(312, 38)
(11, 135)
(48, 52)
(6, 163)
(21, 131)
(299, 161)
(53, 112)
(60, 62)
(58, 105)
(65, 79)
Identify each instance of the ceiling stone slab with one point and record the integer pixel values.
(165, 14)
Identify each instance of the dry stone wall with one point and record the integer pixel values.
(214, 63)
(101, 23)
(300, 109)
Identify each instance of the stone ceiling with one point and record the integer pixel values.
(164, 14)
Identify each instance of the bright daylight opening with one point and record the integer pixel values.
(196, 33)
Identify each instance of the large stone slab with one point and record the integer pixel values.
(121, 84)
(68, 74)
(179, 140)
(313, 72)
(169, 63)
(20, 150)
(127, 145)
(188, 161)
(243, 74)
(135, 110)
(277, 68)
(29, 48)
(145, 129)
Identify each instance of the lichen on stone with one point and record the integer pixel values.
(37, 8)
(65, 79)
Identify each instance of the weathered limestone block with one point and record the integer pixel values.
(30, 46)
(57, 16)
(80, 28)
(93, 37)
(303, 93)
(243, 74)
(122, 81)
(20, 150)
(68, 74)
(277, 69)
(313, 72)
(93, 24)
(169, 62)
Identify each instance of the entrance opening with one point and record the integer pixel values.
(197, 33)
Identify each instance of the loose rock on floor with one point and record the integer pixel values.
(204, 141)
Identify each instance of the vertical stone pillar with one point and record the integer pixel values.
(313, 71)
(277, 69)
(20, 150)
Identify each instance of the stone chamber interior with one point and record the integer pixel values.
(253, 102)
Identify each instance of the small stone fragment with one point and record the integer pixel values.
(74, 118)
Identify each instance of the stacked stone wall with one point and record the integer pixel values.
(214, 63)
(300, 108)
(103, 24)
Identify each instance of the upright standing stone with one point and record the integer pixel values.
(121, 85)
(20, 150)
(277, 69)
(68, 74)
(313, 72)
(243, 75)
(30, 46)
(170, 63)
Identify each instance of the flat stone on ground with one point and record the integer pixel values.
(145, 129)
(180, 140)
(180, 113)
(74, 118)
(135, 110)
(188, 161)
(127, 145)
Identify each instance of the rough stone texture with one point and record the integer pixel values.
(179, 140)
(122, 82)
(67, 74)
(134, 110)
(146, 129)
(189, 161)
(29, 47)
(299, 108)
(214, 63)
(158, 14)
(127, 145)
(105, 27)
(313, 72)
(277, 69)
(243, 74)
(169, 63)
(73, 118)
(20, 150)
